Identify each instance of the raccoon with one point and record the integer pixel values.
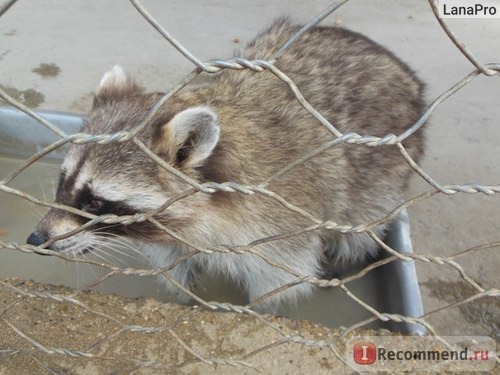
(245, 126)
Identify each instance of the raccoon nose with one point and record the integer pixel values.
(37, 238)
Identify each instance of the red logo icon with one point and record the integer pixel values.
(365, 353)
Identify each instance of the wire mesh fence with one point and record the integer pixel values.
(185, 352)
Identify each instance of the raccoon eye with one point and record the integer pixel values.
(94, 205)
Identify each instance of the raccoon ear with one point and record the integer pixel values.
(115, 84)
(190, 136)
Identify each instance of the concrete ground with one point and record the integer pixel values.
(53, 54)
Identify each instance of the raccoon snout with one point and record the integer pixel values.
(37, 238)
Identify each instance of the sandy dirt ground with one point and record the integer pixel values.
(57, 332)
(53, 54)
(103, 335)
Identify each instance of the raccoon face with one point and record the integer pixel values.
(119, 178)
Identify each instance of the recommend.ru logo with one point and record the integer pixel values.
(421, 353)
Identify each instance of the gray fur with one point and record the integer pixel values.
(354, 83)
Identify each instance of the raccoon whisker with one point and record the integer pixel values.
(114, 260)
(112, 244)
(130, 247)
(105, 247)
(34, 210)
(100, 254)
(118, 239)
(54, 188)
(136, 255)
(99, 230)
(80, 272)
(122, 242)
(109, 247)
(92, 270)
(42, 189)
(108, 234)
(45, 175)
(94, 252)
